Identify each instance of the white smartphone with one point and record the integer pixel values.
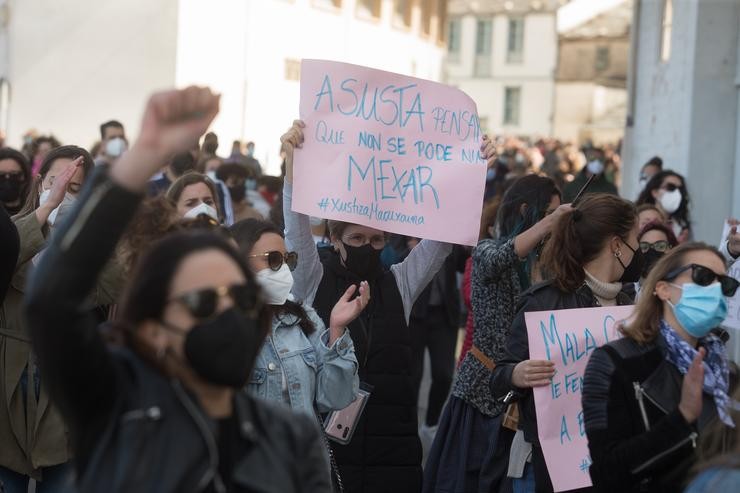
(340, 425)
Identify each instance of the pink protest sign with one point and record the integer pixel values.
(391, 152)
(567, 338)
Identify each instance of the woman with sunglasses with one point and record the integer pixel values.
(647, 397)
(667, 191)
(590, 254)
(166, 413)
(656, 239)
(302, 363)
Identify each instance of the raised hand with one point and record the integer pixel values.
(58, 190)
(173, 122)
(691, 389)
(291, 140)
(347, 309)
(488, 151)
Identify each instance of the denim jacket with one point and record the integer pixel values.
(317, 376)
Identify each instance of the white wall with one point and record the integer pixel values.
(77, 63)
(535, 75)
(245, 58)
(686, 110)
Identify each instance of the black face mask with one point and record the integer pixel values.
(10, 189)
(223, 350)
(634, 269)
(362, 261)
(238, 192)
(651, 258)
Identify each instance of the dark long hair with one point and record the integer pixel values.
(68, 152)
(247, 233)
(534, 191)
(149, 287)
(577, 238)
(646, 196)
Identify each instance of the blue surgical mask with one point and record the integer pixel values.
(700, 309)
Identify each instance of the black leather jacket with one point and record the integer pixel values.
(133, 430)
(638, 439)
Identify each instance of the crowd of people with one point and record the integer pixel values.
(169, 323)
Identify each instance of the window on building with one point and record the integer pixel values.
(483, 42)
(512, 100)
(515, 42)
(667, 31)
(402, 13)
(602, 58)
(331, 4)
(368, 9)
(292, 69)
(453, 40)
(441, 20)
(426, 16)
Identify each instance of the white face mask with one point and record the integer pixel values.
(61, 210)
(671, 201)
(595, 167)
(642, 183)
(115, 147)
(276, 285)
(211, 175)
(201, 208)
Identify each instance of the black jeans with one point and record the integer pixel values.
(434, 332)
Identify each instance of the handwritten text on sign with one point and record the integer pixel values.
(567, 338)
(391, 152)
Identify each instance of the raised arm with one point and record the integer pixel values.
(418, 269)
(307, 275)
(76, 365)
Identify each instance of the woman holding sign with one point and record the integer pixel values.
(464, 455)
(385, 451)
(647, 397)
(590, 254)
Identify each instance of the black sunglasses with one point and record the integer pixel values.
(704, 276)
(670, 187)
(203, 303)
(276, 259)
(660, 246)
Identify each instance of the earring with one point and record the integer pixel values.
(618, 253)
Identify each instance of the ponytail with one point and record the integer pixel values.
(579, 237)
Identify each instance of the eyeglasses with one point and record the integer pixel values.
(203, 303)
(704, 276)
(670, 187)
(660, 246)
(13, 176)
(276, 259)
(358, 240)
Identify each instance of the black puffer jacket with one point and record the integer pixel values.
(133, 430)
(385, 452)
(638, 439)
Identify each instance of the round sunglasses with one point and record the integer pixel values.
(203, 303)
(276, 259)
(660, 246)
(704, 276)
